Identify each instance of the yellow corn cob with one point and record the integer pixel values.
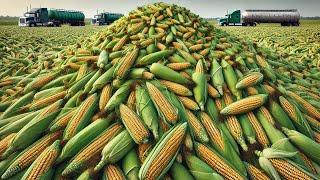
(315, 96)
(219, 104)
(126, 63)
(196, 56)
(269, 89)
(43, 80)
(308, 162)
(82, 71)
(261, 61)
(212, 91)
(189, 103)
(252, 91)
(217, 163)
(120, 43)
(113, 172)
(147, 75)
(199, 68)
(47, 101)
(63, 121)
(91, 150)
(197, 127)
(166, 153)
(134, 125)
(131, 102)
(176, 88)
(44, 162)
(312, 111)
(316, 137)
(143, 150)
(289, 108)
(161, 46)
(196, 47)
(233, 124)
(167, 109)
(255, 173)
(213, 132)
(5, 143)
(244, 105)
(312, 121)
(186, 75)
(288, 171)
(261, 135)
(29, 155)
(205, 52)
(163, 125)
(70, 131)
(105, 96)
(179, 66)
(267, 115)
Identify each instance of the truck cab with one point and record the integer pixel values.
(105, 18)
(233, 18)
(34, 17)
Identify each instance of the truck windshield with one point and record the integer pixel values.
(97, 16)
(29, 15)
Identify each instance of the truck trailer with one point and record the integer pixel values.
(105, 18)
(51, 17)
(252, 17)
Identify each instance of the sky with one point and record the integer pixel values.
(205, 8)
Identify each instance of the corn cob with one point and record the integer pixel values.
(95, 147)
(126, 63)
(200, 90)
(255, 173)
(5, 143)
(311, 110)
(131, 102)
(215, 161)
(119, 96)
(81, 117)
(39, 82)
(245, 105)
(105, 96)
(120, 43)
(27, 135)
(252, 91)
(188, 103)
(179, 66)
(103, 59)
(280, 115)
(116, 149)
(296, 116)
(316, 137)
(176, 88)
(62, 121)
(261, 135)
(134, 125)
(306, 144)
(113, 172)
(166, 73)
(201, 170)
(144, 150)
(26, 157)
(160, 101)
(265, 112)
(131, 165)
(42, 165)
(147, 111)
(154, 57)
(230, 78)
(47, 101)
(196, 127)
(83, 138)
(288, 171)
(163, 154)
(212, 91)
(249, 80)
(103, 80)
(214, 133)
(315, 124)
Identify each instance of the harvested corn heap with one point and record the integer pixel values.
(169, 96)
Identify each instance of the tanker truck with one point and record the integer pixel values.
(252, 17)
(105, 18)
(51, 17)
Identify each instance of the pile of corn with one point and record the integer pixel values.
(160, 94)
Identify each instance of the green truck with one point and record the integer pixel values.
(105, 18)
(252, 17)
(51, 17)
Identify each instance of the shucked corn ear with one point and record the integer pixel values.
(163, 154)
(245, 105)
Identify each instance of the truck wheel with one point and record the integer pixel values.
(254, 24)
